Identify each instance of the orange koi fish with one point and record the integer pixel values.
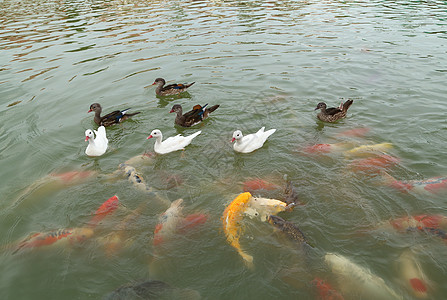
(231, 219)
(356, 132)
(71, 235)
(168, 222)
(419, 222)
(105, 209)
(326, 148)
(191, 221)
(325, 290)
(373, 164)
(432, 185)
(412, 274)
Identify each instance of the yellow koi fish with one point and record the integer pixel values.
(367, 150)
(231, 219)
(412, 275)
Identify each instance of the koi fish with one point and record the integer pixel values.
(358, 281)
(71, 235)
(169, 221)
(288, 228)
(432, 185)
(258, 184)
(325, 290)
(136, 179)
(356, 132)
(419, 222)
(105, 209)
(264, 207)
(290, 193)
(373, 164)
(191, 221)
(412, 274)
(325, 148)
(368, 150)
(231, 219)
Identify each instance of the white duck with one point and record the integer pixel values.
(172, 143)
(251, 142)
(96, 146)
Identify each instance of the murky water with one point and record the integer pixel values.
(266, 64)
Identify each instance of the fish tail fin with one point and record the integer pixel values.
(248, 259)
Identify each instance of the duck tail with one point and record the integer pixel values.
(133, 114)
(188, 85)
(347, 104)
(212, 108)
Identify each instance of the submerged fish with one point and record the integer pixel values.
(105, 209)
(231, 220)
(418, 221)
(169, 221)
(60, 236)
(325, 290)
(256, 184)
(357, 281)
(152, 289)
(367, 150)
(288, 228)
(356, 132)
(326, 148)
(373, 164)
(411, 273)
(290, 193)
(432, 185)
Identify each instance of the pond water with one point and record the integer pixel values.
(266, 63)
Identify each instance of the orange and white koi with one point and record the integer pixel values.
(231, 220)
(105, 209)
(325, 290)
(358, 281)
(419, 222)
(71, 235)
(412, 274)
(264, 207)
(368, 150)
(373, 164)
(169, 221)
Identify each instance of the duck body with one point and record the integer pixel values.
(333, 114)
(96, 146)
(171, 89)
(193, 117)
(112, 118)
(251, 142)
(171, 144)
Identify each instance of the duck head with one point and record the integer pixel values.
(159, 81)
(321, 105)
(237, 135)
(155, 134)
(89, 134)
(176, 108)
(96, 107)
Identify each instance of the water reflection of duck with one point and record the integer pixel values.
(193, 117)
(171, 89)
(334, 113)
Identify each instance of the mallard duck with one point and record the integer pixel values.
(114, 117)
(251, 142)
(334, 113)
(171, 89)
(172, 143)
(193, 117)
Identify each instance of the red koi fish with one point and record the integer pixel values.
(419, 222)
(431, 185)
(373, 164)
(258, 184)
(325, 290)
(326, 148)
(105, 209)
(71, 235)
(192, 221)
(412, 274)
(356, 132)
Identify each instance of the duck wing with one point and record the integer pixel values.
(112, 118)
(332, 111)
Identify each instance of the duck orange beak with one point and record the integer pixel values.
(86, 138)
(233, 139)
(154, 83)
(171, 111)
(90, 110)
(149, 137)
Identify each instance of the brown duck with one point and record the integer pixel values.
(171, 89)
(334, 113)
(288, 228)
(114, 117)
(193, 117)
